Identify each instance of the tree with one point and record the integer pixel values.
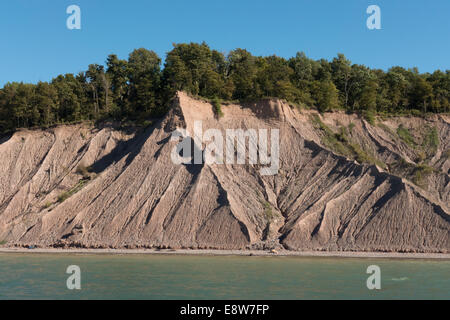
(302, 76)
(341, 73)
(46, 101)
(302, 68)
(137, 88)
(323, 71)
(197, 69)
(242, 72)
(325, 95)
(98, 88)
(144, 73)
(368, 99)
(397, 88)
(69, 106)
(273, 78)
(21, 104)
(421, 94)
(440, 82)
(8, 120)
(118, 74)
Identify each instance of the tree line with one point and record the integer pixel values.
(140, 87)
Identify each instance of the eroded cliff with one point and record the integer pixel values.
(343, 184)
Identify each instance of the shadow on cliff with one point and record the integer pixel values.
(5, 137)
(129, 149)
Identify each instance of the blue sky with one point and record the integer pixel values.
(36, 44)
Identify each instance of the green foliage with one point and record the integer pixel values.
(364, 157)
(406, 136)
(145, 123)
(336, 142)
(144, 74)
(403, 168)
(342, 75)
(268, 214)
(341, 144)
(368, 96)
(325, 95)
(418, 174)
(421, 172)
(431, 141)
(63, 196)
(351, 125)
(242, 74)
(137, 88)
(342, 135)
(386, 128)
(217, 107)
(198, 70)
(47, 205)
(67, 194)
(369, 115)
(318, 123)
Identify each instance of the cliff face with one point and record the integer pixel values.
(90, 187)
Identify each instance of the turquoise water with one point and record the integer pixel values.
(39, 276)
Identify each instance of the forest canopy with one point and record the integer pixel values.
(141, 87)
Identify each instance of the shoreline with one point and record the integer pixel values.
(257, 253)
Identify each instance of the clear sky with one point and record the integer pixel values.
(36, 44)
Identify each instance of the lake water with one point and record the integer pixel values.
(42, 276)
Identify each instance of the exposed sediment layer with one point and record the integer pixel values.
(79, 186)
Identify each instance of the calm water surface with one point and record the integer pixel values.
(41, 276)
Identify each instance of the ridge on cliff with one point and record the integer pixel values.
(343, 184)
